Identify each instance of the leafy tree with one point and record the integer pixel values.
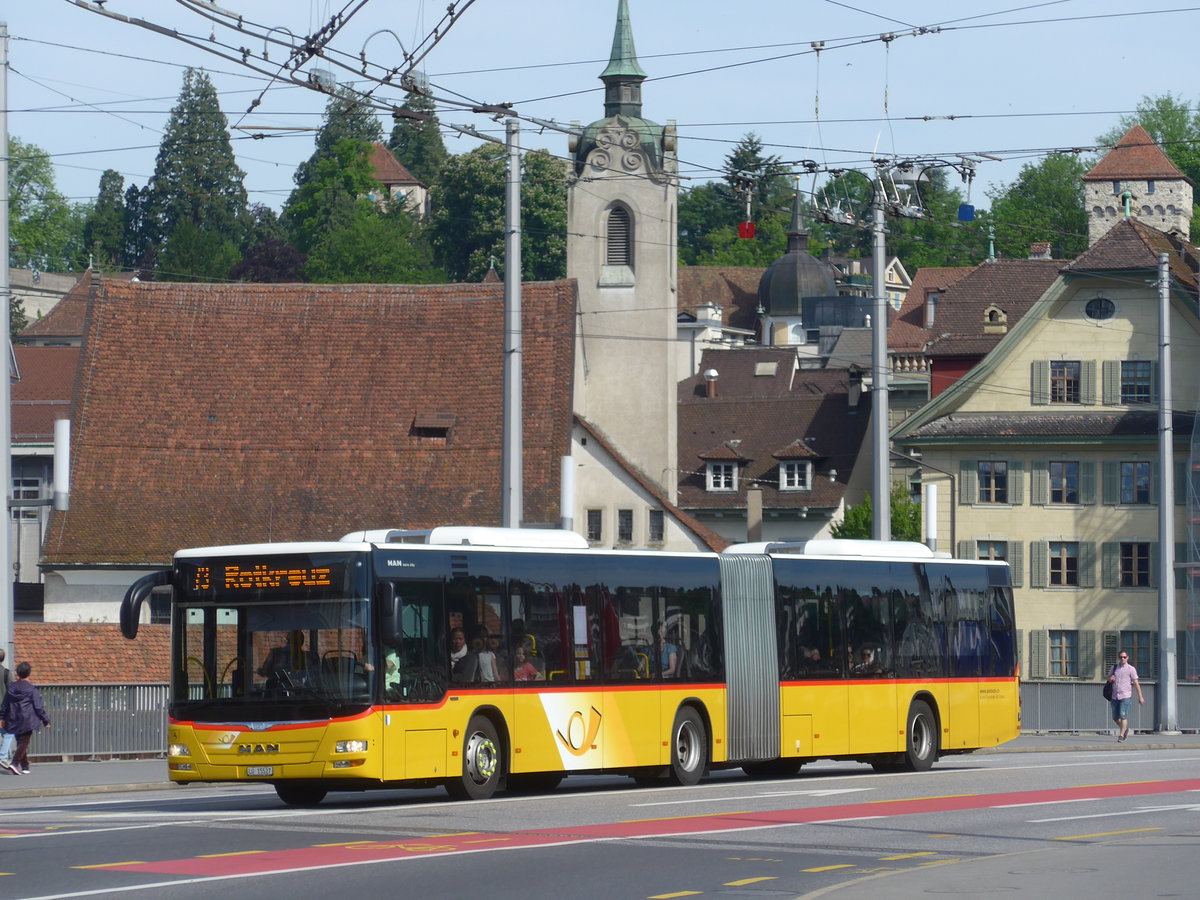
(418, 144)
(1045, 203)
(197, 181)
(336, 184)
(345, 117)
(104, 230)
(45, 232)
(467, 223)
(196, 254)
(17, 319)
(905, 518)
(270, 261)
(138, 252)
(372, 248)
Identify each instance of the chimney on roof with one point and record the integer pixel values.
(754, 514)
(710, 382)
(1039, 250)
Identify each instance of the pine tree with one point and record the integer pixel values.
(197, 180)
(104, 230)
(418, 144)
(337, 184)
(345, 117)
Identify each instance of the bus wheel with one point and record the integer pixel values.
(300, 794)
(773, 768)
(922, 742)
(689, 747)
(482, 762)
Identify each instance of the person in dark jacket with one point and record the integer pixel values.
(22, 714)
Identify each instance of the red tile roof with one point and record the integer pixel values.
(733, 288)
(92, 653)
(388, 169)
(1136, 155)
(209, 414)
(1133, 245)
(43, 392)
(906, 330)
(65, 320)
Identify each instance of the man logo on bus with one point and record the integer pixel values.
(580, 737)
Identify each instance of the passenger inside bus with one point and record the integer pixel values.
(668, 653)
(523, 669)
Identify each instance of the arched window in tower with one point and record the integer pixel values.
(619, 250)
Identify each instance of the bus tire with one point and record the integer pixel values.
(300, 794)
(482, 762)
(921, 742)
(774, 768)
(689, 747)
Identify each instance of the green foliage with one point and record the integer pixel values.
(1045, 203)
(193, 253)
(17, 319)
(270, 261)
(104, 229)
(139, 230)
(197, 186)
(45, 231)
(418, 143)
(338, 182)
(345, 118)
(467, 223)
(372, 248)
(905, 518)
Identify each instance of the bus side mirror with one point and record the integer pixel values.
(389, 612)
(139, 591)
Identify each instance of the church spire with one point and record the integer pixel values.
(623, 78)
(798, 232)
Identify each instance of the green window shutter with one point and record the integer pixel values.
(1038, 551)
(968, 481)
(1087, 483)
(1039, 393)
(966, 549)
(1016, 562)
(1111, 375)
(1087, 564)
(1039, 484)
(1016, 482)
(1181, 555)
(1155, 562)
(1112, 484)
(1110, 564)
(1152, 669)
(1087, 655)
(1155, 483)
(1180, 482)
(1112, 643)
(1155, 379)
(1039, 653)
(1087, 382)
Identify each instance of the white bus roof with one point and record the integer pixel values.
(476, 536)
(860, 548)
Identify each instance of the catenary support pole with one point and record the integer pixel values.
(1167, 694)
(6, 578)
(512, 489)
(881, 499)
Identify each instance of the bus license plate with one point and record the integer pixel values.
(259, 771)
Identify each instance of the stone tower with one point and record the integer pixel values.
(1136, 178)
(622, 199)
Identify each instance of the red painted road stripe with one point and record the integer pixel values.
(314, 857)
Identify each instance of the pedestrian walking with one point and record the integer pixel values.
(7, 739)
(22, 714)
(1124, 678)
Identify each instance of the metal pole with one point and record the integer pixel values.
(1167, 694)
(881, 524)
(6, 577)
(511, 487)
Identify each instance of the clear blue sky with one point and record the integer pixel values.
(1012, 80)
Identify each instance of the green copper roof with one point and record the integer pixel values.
(623, 60)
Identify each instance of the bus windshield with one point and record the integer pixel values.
(295, 642)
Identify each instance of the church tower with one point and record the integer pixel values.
(1136, 179)
(622, 198)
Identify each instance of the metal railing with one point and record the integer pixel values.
(106, 720)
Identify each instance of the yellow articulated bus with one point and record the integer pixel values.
(483, 659)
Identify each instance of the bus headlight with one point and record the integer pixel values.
(350, 747)
(178, 750)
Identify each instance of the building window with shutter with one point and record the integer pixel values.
(620, 238)
(993, 481)
(1135, 564)
(1140, 647)
(1064, 654)
(1064, 563)
(994, 550)
(1136, 381)
(1064, 381)
(1064, 482)
(595, 525)
(1135, 483)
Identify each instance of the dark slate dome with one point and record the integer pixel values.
(795, 275)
